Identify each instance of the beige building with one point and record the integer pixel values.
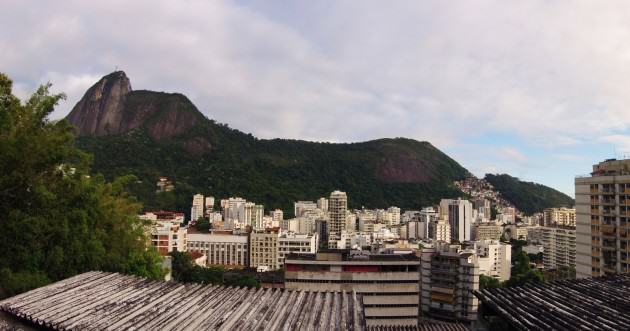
(268, 248)
(337, 208)
(559, 246)
(602, 217)
(168, 236)
(440, 230)
(559, 216)
(449, 276)
(484, 231)
(263, 249)
(389, 283)
(228, 250)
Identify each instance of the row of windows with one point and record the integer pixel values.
(352, 281)
(394, 305)
(387, 293)
(390, 317)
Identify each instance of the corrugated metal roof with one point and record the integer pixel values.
(588, 304)
(425, 325)
(111, 301)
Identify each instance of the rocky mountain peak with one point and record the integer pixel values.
(100, 111)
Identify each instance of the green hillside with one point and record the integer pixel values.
(379, 173)
(528, 197)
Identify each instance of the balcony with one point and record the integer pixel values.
(607, 202)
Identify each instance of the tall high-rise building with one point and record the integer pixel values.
(602, 220)
(257, 217)
(559, 246)
(449, 275)
(197, 207)
(337, 206)
(459, 218)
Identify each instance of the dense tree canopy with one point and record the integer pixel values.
(185, 270)
(57, 220)
(528, 197)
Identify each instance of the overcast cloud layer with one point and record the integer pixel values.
(537, 89)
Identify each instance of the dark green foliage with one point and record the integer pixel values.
(522, 272)
(56, 220)
(203, 225)
(528, 197)
(536, 258)
(272, 172)
(185, 270)
(488, 282)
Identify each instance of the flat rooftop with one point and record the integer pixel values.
(347, 255)
(586, 304)
(111, 301)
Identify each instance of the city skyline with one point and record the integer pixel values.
(534, 90)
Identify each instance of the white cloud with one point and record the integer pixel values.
(552, 73)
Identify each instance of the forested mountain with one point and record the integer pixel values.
(528, 197)
(152, 134)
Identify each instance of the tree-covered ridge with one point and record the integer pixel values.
(57, 218)
(528, 197)
(272, 172)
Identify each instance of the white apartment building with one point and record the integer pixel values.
(196, 211)
(460, 218)
(559, 247)
(168, 236)
(223, 249)
(495, 258)
(289, 242)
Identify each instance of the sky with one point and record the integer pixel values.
(535, 89)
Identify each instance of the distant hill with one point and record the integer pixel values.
(152, 134)
(528, 197)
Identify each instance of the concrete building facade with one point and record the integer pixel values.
(449, 275)
(389, 283)
(602, 220)
(228, 250)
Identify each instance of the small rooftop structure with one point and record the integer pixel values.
(586, 304)
(111, 301)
